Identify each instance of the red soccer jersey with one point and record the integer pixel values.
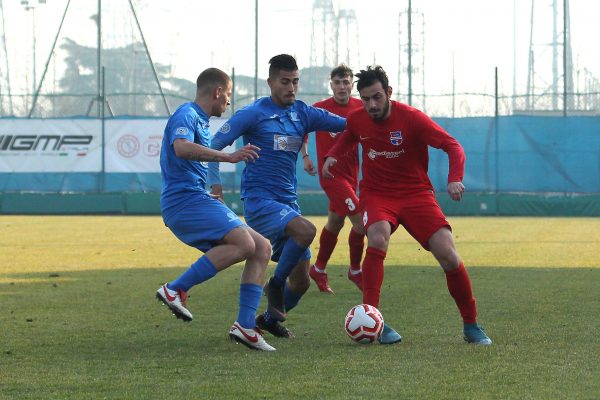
(347, 166)
(394, 151)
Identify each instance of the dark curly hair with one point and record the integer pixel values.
(370, 76)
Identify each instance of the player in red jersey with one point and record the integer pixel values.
(395, 190)
(341, 192)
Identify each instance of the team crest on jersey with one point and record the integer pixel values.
(281, 143)
(181, 131)
(286, 143)
(225, 128)
(396, 138)
(294, 116)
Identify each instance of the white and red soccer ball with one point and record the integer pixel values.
(364, 323)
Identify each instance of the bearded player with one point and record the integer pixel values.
(396, 190)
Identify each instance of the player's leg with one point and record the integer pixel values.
(356, 244)
(300, 232)
(441, 245)
(298, 235)
(289, 233)
(327, 241)
(252, 280)
(379, 220)
(378, 237)
(202, 224)
(342, 202)
(244, 328)
(296, 286)
(425, 221)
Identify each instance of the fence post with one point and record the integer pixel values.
(496, 150)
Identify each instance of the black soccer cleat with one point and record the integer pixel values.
(274, 327)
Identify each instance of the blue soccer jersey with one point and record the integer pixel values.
(279, 132)
(186, 207)
(181, 178)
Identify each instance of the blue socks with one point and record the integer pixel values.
(249, 301)
(290, 255)
(200, 271)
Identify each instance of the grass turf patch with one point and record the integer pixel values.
(79, 318)
(101, 334)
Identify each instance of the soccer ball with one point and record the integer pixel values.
(364, 323)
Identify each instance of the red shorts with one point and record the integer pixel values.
(342, 199)
(419, 213)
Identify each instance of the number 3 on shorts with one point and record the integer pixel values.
(350, 204)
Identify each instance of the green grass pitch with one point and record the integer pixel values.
(78, 318)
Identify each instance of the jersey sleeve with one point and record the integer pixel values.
(234, 128)
(346, 142)
(182, 128)
(323, 120)
(435, 136)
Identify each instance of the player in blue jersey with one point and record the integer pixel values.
(277, 124)
(202, 221)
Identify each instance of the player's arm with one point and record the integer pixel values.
(229, 132)
(196, 152)
(437, 137)
(309, 167)
(323, 120)
(344, 143)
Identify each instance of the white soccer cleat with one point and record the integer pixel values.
(250, 338)
(175, 300)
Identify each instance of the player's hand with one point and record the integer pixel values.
(309, 167)
(216, 192)
(247, 153)
(329, 162)
(456, 190)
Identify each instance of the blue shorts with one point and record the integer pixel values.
(202, 222)
(269, 218)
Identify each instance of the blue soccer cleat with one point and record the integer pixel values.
(476, 335)
(389, 335)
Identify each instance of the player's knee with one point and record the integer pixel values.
(449, 260)
(378, 241)
(246, 249)
(305, 236)
(262, 251)
(335, 224)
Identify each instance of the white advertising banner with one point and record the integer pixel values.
(74, 145)
(134, 145)
(38, 145)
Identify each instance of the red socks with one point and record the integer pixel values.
(356, 243)
(459, 286)
(327, 242)
(372, 275)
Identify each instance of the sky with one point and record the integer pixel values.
(463, 41)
